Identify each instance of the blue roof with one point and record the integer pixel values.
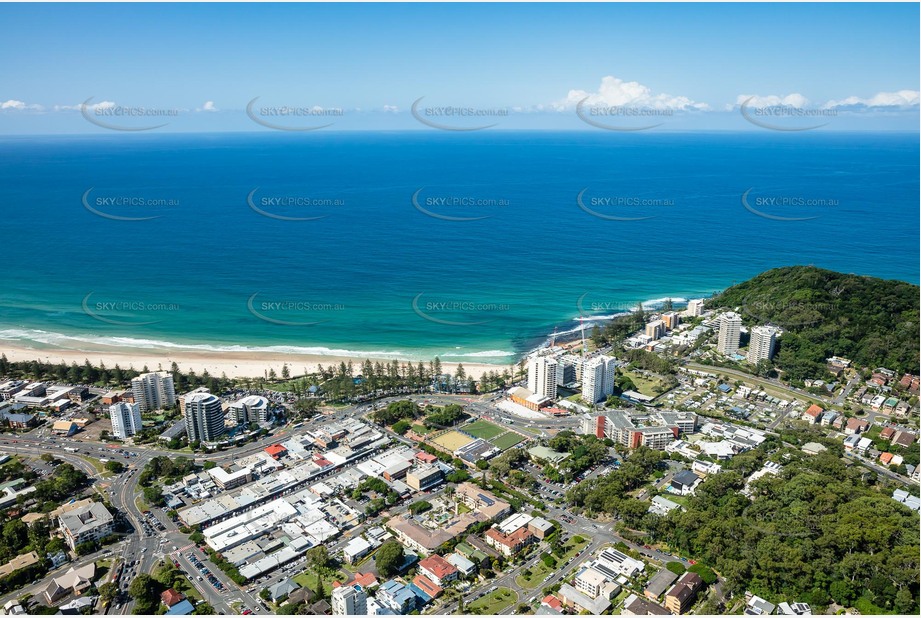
(182, 608)
(724, 387)
(420, 593)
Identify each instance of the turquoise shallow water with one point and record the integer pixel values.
(473, 247)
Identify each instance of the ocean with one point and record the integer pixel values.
(469, 246)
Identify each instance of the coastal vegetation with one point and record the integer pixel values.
(874, 322)
(821, 531)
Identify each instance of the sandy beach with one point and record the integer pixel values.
(234, 365)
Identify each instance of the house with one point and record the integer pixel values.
(812, 414)
(74, 580)
(705, 467)
(465, 566)
(425, 588)
(438, 569)
(170, 597)
(757, 606)
(886, 433)
(182, 608)
(902, 496)
(13, 608)
(684, 482)
(904, 438)
(794, 609)
(397, 597)
(663, 506)
(282, 590)
(552, 603)
(636, 606)
(855, 425)
(19, 562)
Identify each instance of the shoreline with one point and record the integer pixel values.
(251, 364)
(234, 364)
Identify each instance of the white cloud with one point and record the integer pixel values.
(794, 99)
(391, 108)
(19, 105)
(902, 99)
(207, 107)
(615, 92)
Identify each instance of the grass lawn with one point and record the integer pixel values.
(540, 570)
(507, 440)
(483, 429)
(462, 508)
(421, 429)
(495, 602)
(308, 579)
(100, 467)
(647, 386)
(682, 500)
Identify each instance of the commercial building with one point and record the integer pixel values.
(126, 419)
(542, 376)
(252, 409)
(481, 501)
(153, 391)
(423, 478)
(761, 344)
(730, 333)
(204, 417)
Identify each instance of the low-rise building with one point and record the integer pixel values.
(91, 522)
(438, 569)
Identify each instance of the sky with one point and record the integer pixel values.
(72, 68)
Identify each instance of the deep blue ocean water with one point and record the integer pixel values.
(375, 274)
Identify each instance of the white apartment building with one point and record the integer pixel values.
(730, 333)
(598, 378)
(153, 391)
(761, 345)
(252, 409)
(542, 376)
(126, 419)
(204, 417)
(349, 601)
(695, 307)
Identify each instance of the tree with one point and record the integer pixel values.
(675, 567)
(389, 558)
(204, 609)
(107, 592)
(114, 466)
(318, 556)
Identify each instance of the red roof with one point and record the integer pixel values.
(170, 597)
(276, 450)
(885, 458)
(365, 580)
(814, 410)
(322, 461)
(552, 602)
(427, 586)
(437, 566)
(856, 423)
(425, 457)
(886, 433)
